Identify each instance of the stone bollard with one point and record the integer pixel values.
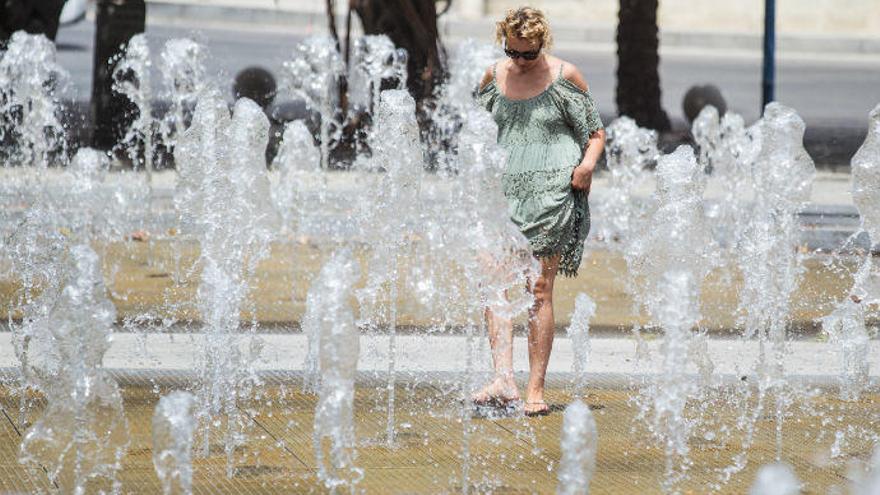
(697, 97)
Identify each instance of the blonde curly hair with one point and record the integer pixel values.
(524, 22)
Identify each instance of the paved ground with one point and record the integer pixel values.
(145, 272)
(510, 455)
(144, 283)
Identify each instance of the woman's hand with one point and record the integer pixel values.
(582, 177)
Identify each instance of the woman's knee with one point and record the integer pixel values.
(542, 290)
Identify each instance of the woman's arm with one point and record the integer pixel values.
(487, 78)
(582, 176)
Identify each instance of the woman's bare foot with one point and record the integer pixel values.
(535, 405)
(501, 389)
(536, 408)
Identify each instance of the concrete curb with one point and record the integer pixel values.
(438, 354)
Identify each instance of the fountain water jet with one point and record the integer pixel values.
(223, 198)
(846, 328)
(579, 334)
(728, 149)
(173, 428)
(629, 151)
(669, 264)
(131, 78)
(776, 479)
(397, 150)
(298, 161)
(579, 444)
(846, 324)
(312, 74)
(866, 178)
(83, 433)
(185, 77)
(768, 257)
(455, 102)
(31, 82)
(478, 236)
(374, 58)
(337, 335)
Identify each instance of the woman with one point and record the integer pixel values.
(549, 125)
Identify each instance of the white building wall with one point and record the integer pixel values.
(856, 18)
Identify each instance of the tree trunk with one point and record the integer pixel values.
(33, 16)
(112, 113)
(638, 79)
(410, 24)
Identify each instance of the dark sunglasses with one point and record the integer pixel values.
(532, 55)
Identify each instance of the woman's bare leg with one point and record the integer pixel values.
(502, 386)
(541, 329)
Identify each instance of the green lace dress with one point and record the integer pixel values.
(545, 137)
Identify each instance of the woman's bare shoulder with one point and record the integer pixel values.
(573, 75)
(489, 74)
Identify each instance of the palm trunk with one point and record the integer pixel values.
(638, 79)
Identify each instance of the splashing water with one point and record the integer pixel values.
(776, 479)
(484, 240)
(846, 328)
(313, 75)
(312, 322)
(337, 335)
(866, 178)
(579, 333)
(222, 182)
(396, 150)
(31, 82)
(683, 244)
(846, 325)
(173, 427)
(728, 149)
(455, 102)
(184, 77)
(374, 58)
(669, 265)
(298, 162)
(478, 236)
(131, 77)
(629, 151)
(579, 444)
(768, 257)
(83, 433)
(865, 167)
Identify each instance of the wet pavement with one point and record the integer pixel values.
(825, 440)
(154, 287)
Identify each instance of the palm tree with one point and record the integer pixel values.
(638, 79)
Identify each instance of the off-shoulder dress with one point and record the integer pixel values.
(545, 138)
